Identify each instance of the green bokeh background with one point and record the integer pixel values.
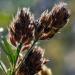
(61, 48)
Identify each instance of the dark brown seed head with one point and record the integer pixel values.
(50, 22)
(22, 27)
(33, 63)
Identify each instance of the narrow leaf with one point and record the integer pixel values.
(3, 67)
(7, 49)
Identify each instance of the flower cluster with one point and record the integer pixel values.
(24, 28)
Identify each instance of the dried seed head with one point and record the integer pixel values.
(22, 27)
(33, 63)
(50, 22)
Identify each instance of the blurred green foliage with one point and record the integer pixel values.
(4, 19)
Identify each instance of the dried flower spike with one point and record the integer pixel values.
(33, 63)
(22, 27)
(50, 22)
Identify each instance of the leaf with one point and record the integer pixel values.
(3, 67)
(7, 49)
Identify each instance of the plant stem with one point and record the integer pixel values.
(16, 57)
(29, 50)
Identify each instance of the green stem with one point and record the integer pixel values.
(29, 50)
(16, 57)
(18, 51)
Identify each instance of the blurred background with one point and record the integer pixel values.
(60, 49)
